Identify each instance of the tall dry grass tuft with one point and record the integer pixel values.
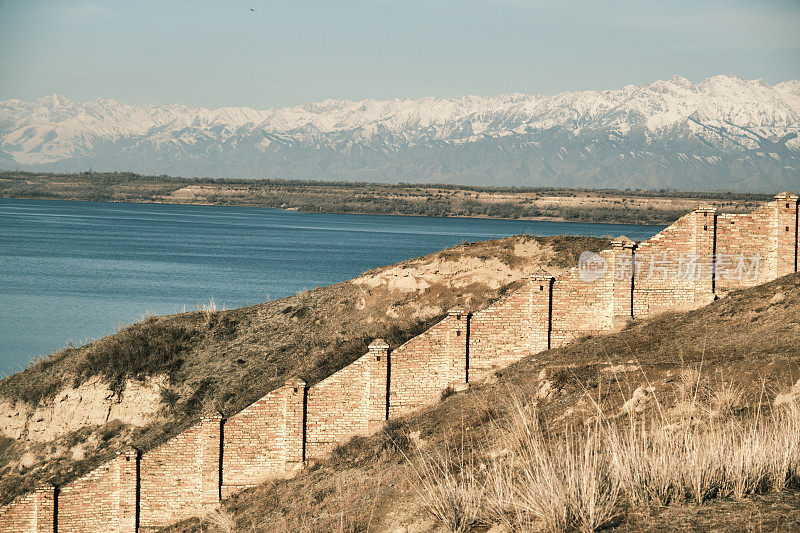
(725, 399)
(344, 503)
(583, 477)
(659, 460)
(557, 482)
(219, 521)
(448, 483)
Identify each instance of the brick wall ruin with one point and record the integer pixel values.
(699, 256)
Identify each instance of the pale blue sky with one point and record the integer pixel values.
(285, 53)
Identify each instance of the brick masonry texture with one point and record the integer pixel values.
(424, 366)
(19, 515)
(32, 512)
(274, 436)
(171, 480)
(253, 442)
(337, 408)
(513, 327)
(102, 500)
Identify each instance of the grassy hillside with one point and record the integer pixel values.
(699, 385)
(224, 360)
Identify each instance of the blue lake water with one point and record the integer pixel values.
(72, 271)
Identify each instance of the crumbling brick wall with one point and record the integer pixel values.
(19, 515)
(673, 269)
(35, 511)
(425, 365)
(255, 440)
(170, 480)
(580, 307)
(351, 402)
(756, 247)
(336, 408)
(105, 499)
(513, 327)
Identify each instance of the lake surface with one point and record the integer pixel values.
(73, 271)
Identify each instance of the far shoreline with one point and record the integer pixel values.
(206, 204)
(534, 204)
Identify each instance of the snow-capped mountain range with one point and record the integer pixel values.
(723, 132)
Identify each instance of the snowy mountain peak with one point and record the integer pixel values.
(54, 100)
(722, 125)
(680, 81)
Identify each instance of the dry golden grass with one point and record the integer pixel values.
(584, 476)
(449, 485)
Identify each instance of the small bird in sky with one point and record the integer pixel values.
(251, 9)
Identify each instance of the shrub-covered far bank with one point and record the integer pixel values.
(583, 205)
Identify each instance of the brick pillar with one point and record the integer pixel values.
(704, 248)
(458, 346)
(294, 423)
(621, 281)
(128, 489)
(45, 500)
(784, 236)
(211, 424)
(541, 312)
(377, 377)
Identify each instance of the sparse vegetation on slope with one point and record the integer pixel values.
(603, 421)
(224, 360)
(585, 477)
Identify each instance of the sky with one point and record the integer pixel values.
(275, 54)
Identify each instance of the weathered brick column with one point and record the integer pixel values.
(128, 489)
(458, 346)
(784, 236)
(541, 311)
(294, 424)
(377, 376)
(211, 427)
(45, 500)
(621, 281)
(704, 247)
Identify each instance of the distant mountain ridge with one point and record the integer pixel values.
(721, 133)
